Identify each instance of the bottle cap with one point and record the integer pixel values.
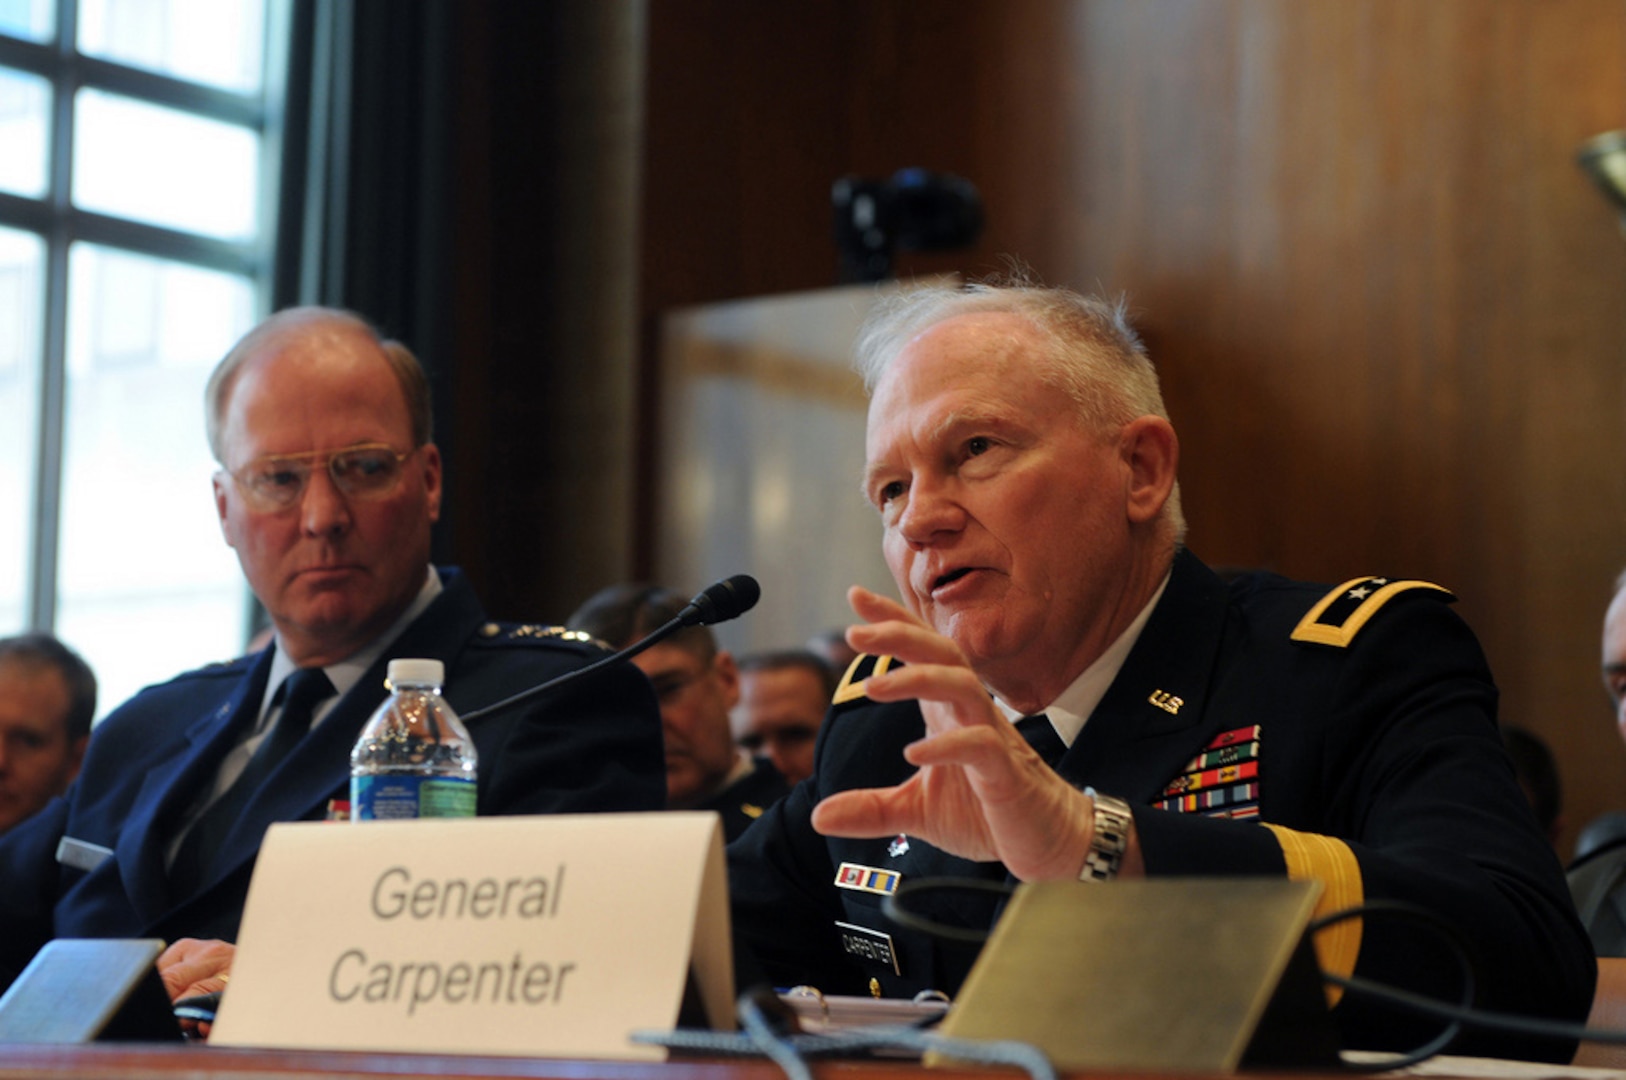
(416, 672)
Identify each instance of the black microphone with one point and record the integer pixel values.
(719, 602)
(727, 599)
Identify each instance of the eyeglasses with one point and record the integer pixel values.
(278, 481)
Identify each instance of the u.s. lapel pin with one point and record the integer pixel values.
(1166, 701)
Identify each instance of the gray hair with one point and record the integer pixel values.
(1093, 355)
(408, 371)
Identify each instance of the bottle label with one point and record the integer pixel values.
(443, 796)
(385, 798)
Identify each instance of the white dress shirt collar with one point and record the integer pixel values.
(1075, 704)
(347, 672)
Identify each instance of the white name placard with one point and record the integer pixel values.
(535, 936)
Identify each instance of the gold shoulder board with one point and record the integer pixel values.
(852, 683)
(1339, 616)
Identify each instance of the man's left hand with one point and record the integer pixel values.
(191, 967)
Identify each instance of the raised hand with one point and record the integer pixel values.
(980, 792)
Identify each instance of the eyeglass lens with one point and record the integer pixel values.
(362, 470)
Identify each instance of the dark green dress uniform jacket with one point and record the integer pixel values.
(1387, 741)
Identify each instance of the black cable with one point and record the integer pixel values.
(1465, 1013)
(790, 1050)
(892, 907)
(1458, 1015)
(1476, 1017)
(1456, 945)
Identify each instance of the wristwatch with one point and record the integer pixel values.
(1112, 822)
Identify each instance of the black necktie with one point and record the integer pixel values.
(1041, 735)
(194, 862)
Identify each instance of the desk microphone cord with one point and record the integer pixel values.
(791, 1051)
(1458, 1015)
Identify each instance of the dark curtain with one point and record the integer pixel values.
(364, 208)
(464, 173)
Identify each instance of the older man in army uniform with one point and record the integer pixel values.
(1166, 722)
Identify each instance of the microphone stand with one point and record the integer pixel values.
(725, 600)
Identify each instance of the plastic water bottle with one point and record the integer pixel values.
(414, 758)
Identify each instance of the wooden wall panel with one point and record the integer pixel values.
(1390, 312)
(1390, 317)
(754, 110)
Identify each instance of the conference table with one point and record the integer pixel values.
(171, 1061)
(180, 1061)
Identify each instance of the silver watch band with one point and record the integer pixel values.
(1107, 846)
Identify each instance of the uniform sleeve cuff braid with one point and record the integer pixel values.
(1311, 856)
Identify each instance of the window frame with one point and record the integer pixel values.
(60, 225)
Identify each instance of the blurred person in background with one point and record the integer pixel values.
(47, 701)
(783, 697)
(831, 645)
(697, 684)
(1537, 770)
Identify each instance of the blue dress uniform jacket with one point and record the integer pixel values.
(1386, 741)
(595, 746)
